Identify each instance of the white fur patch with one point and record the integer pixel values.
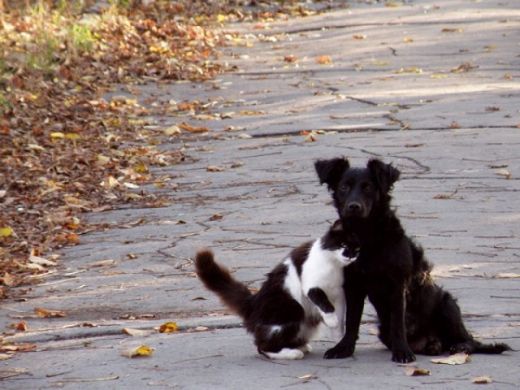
(286, 353)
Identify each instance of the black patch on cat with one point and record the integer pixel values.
(320, 299)
(299, 255)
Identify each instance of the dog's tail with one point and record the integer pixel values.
(494, 349)
(216, 278)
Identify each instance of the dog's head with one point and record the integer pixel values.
(357, 192)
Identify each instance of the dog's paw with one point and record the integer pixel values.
(339, 352)
(403, 356)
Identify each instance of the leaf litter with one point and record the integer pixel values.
(65, 148)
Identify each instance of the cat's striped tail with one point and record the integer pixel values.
(216, 278)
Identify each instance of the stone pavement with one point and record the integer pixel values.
(431, 86)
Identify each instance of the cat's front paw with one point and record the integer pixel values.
(330, 320)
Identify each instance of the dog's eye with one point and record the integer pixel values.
(367, 187)
(344, 187)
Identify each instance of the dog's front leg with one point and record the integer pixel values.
(401, 352)
(355, 295)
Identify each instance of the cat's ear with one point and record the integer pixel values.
(331, 171)
(385, 175)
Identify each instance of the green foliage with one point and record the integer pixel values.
(82, 37)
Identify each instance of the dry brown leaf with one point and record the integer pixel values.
(454, 125)
(482, 380)
(359, 36)
(46, 313)
(458, 358)
(290, 58)
(193, 129)
(215, 168)
(416, 371)
(324, 60)
(452, 30)
(216, 217)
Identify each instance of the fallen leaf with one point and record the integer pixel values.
(6, 231)
(290, 58)
(458, 358)
(21, 326)
(193, 129)
(46, 313)
(140, 351)
(463, 68)
(214, 168)
(169, 327)
(482, 380)
(324, 60)
(416, 371)
(359, 36)
(407, 39)
(101, 263)
(409, 69)
(452, 30)
(136, 332)
(504, 173)
(41, 261)
(216, 217)
(454, 125)
(5, 356)
(172, 130)
(307, 377)
(507, 275)
(10, 372)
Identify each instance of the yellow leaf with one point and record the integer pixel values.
(57, 135)
(6, 231)
(72, 136)
(140, 351)
(140, 168)
(407, 39)
(168, 327)
(221, 18)
(359, 36)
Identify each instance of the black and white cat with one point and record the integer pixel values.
(299, 293)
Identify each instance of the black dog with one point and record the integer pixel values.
(415, 314)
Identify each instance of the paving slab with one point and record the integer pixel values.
(392, 90)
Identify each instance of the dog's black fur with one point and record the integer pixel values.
(415, 314)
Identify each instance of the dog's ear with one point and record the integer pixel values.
(330, 171)
(385, 174)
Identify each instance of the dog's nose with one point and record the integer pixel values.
(354, 207)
